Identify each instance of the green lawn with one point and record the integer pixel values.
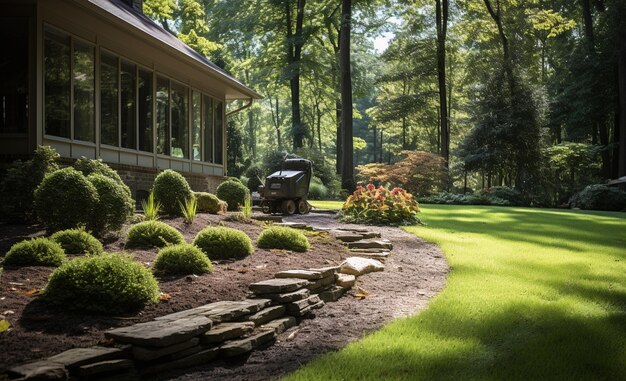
(534, 294)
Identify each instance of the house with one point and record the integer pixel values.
(97, 78)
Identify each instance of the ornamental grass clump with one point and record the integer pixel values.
(182, 259)
(35, 252)
(283, 238)
(77, 241)
(189, 209)
(223, 243)
(153, 234)
(380, 206)
(151, 208)
(107, 283)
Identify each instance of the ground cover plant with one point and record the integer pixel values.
(153, 234)
(380, 205)
(77, 241)
(171, 190)
(278, 237)
(107, 283)
(182, 259)
(533, 295)
(223, 243)
(35, 252)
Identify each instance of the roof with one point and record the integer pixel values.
(128, 15)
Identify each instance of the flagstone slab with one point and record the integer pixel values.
(300, 294)
(300, 274)
(371, 244)
(222, 311)
(80, 356)
(358, 266)
(109, 366)
(267, 315)
(239, 347)
(227, 331)
(279, 325)
(161, 333)
(149, 354)
(277, 286)
(201, 357)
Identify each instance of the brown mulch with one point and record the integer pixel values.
(414, 273)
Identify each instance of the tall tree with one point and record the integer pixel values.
(295, 42)
(441, 12)
(347, 164)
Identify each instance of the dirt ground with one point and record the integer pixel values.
(414, 273)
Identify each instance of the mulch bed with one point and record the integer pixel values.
(414, 273)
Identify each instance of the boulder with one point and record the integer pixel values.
(358, 266)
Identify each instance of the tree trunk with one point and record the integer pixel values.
(380, 160)
(622, 105)
(506, 56)
(347, 167)
(252, 133)
(588, 20)
(374, 148)
(442, 26)
(339, 138)
(295, 42)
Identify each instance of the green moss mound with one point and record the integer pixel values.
(65, 199)
(77, 241)
(233, 192)
(223, 243)
(35, 252)
(171, 190)
(108, 283)
(114, 206)
(210, 203)
(182, 259)
(283, 238)
(153, 234)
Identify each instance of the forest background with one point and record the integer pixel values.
(448, 96)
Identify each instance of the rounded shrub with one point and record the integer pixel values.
(599, 197)
(35, 252)
(317, 190)
(114, 206)
(65, 199)
(210, 203)
(182, 259)
(171, 190)
(283, 238)
(77, 241)
(107, 283)
(256, 176)
(223, 243)
(153, 234)
(89, 166)
(233, 192)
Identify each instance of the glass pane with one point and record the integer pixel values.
(14, 75)
(196, 128)
(219, 128)
(208, 129)
(109, 113)
(84, 92)
(57, 84)
(163, 116)
(128, 103)
(144, 86)
(180, 110)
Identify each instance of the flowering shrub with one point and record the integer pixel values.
(371, 205)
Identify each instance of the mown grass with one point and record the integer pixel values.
(533, 295)
(323, 204)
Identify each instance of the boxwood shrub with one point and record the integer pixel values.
(107, 283)
(182, 259)
(171, 190)
(77, 241)
(223, 243)
(114, 206)
(65, 199)
(233, 192)
(279, 237)
(89, 166)
(35, 252)
(153, 234)
(210, 203)
(599, 197)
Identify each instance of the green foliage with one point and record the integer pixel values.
(107, 283)
(153, 234)
(233, 192)
(256, 176)
(77, 241)
(35, 252)
(65, 199)
(317, 190)
(170, 190)
(477, 198)
(19, 183)
(114, 206)
(188, 210)
(151, 208)
(246, 208)
(283, 238)
(511, 196)
(89, 166)
(223, 243)
(182, 259)
(210, 203)
(599, 197)
(380, 206)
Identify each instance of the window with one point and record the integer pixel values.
(208, 129)
(180, 117)
(14, 79)
(57, 84)
(128, 104)
(163, 116)
(84, 92)
(144, 86)
(109, 114)
(219, 127)
(196, 127)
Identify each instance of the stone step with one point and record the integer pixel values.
(277, 286)
(239, 347)
(344, 236)
(222, 311)
(150, 353)
(201, 357)
(227, 331)
(371, 244)
(300, 274)
(279, 325)
(358, 266)
(105, 367)
(267, 315)
(161, 333)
